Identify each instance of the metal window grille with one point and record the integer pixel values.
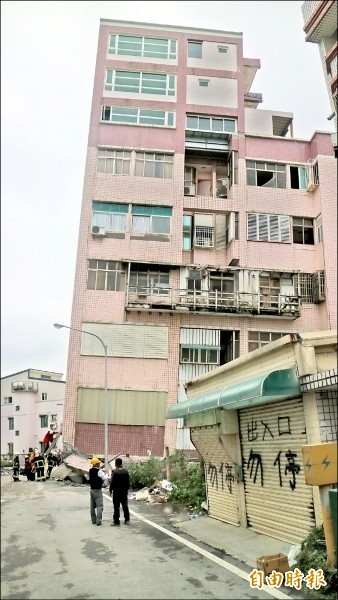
(204, 236)
(304, 284)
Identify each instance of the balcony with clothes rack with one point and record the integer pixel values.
(240, 303)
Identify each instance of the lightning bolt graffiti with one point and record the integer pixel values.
(325, 462)
(308, 464)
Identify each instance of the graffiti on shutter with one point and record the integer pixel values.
(278, 502)
(219, 474)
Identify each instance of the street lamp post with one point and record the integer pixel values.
(59, 326)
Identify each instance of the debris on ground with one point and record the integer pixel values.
(157, 492)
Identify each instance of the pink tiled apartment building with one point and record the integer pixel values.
(206, 231)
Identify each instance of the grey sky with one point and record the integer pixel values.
(48, 62)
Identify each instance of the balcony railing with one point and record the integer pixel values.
(25, 386)
(213, 301)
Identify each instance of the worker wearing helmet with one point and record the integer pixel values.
(96, 478)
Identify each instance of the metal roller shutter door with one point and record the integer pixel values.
(219, 473)
(278, 502)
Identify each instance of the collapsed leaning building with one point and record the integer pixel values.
(206, 232)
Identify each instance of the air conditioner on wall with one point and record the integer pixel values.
(98, 231)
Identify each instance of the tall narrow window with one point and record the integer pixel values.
(11, 423)
(187, 232)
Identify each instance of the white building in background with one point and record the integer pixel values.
(320, 27)
(31, 404)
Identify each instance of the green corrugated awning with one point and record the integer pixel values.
(277, 385)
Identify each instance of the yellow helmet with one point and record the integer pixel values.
(95, 460)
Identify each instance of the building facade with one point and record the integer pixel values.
(320, 19)
(31, 404)
(251, 419)
(206, 231)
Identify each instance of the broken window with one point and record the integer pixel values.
(262, 174)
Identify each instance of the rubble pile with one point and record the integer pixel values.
(157, 492)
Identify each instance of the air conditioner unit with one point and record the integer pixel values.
(190, 190)
(99, 231)
(318, 286)
(30, 386)
(18, 385)
(53, 426)
(222, 188)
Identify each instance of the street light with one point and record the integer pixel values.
(59, 326)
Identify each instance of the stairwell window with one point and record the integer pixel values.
(303, 231)
(105, 275)
(262, 174)
(44, 396)
(203, 82)
(154, 165)
(11, 423)
(139, 82)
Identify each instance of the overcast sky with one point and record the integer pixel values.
(48, 60)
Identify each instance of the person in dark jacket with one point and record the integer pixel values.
(39, 462)
(96, 478)
(16, 468)
(52, 462)
(28, 469)
(119, 486)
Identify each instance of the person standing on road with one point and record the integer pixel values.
(16, 468)
(96, 478)
(119, 486)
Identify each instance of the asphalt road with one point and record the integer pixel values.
(50, 549)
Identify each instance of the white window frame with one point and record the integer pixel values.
(200, 355)
(116, 40)
(138, 116)
(119, 159)
(118, 271)
(224, 120)
(259, 343)
(153, 158)
(259, 166)
(141, 78)
(149, 220)
(44, 396)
